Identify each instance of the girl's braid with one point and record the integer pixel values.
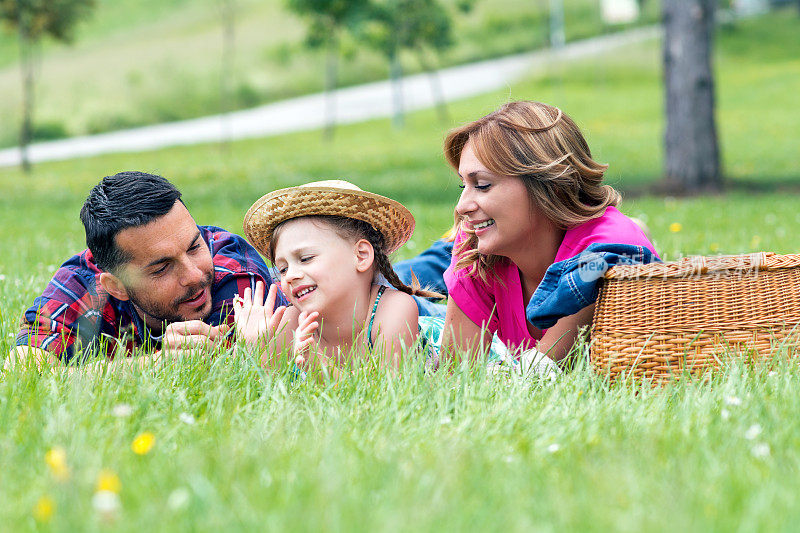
(375, 238)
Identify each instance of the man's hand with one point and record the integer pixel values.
(192, 335)
(257, 320)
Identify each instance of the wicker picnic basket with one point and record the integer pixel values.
(662, 320)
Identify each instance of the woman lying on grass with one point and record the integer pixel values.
(330, 242)
(532, 198)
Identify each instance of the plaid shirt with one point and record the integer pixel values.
(74, 312)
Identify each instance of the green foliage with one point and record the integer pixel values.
(327, 18)
(395, 25)
(44, 131)
(38, 18)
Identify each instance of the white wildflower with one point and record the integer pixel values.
(106, 502)
(445, 420)
(553, 448)
(178, 499)
(760, 451)
(725, 414)
(122, 410)
(733, 400)
(186, 418)
(752, 432)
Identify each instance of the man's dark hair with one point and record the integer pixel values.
(121, 201)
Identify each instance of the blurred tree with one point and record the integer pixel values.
(33, 20)
(420, 26)
(328, 21)
(227, 71)
(691, 149)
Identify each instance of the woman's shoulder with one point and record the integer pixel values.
(613, 227)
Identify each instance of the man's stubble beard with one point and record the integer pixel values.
(166, 314)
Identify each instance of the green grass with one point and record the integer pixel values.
(449, 451)
(137, 63)
(454, 452)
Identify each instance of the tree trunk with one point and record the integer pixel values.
(396, 73)
(557, 32)
(26, 62)
(227, 69)
(331, 81)
(691, 150)
(436, 87)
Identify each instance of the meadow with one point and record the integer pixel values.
(208, 443)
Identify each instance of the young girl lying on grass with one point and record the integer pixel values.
(330, 242)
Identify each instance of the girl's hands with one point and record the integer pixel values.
(307, 356)
(304, 337)
(257, 320)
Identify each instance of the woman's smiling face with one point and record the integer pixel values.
(497, 208)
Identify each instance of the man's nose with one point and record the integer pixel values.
(192, 273)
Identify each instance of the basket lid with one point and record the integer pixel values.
(695, 265)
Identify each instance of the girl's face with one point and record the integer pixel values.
(497, 208)
(317, 266)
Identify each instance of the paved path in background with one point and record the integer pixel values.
(353, 104)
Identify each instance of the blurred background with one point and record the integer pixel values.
(727, 73)
(116, 64)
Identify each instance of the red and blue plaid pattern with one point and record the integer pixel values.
(75, 313)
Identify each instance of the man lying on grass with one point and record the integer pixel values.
(150, 278)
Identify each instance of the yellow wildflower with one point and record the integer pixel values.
(675, 227)
(44, 509)
(56, 459)
(108, 480)
(143, 443)
(714, 247)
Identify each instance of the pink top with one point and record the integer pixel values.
(503, 294)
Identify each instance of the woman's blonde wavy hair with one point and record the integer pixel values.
(542, 146)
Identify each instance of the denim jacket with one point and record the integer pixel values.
(428, 267)
(570, 285)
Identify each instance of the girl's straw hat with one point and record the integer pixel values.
(329, 197)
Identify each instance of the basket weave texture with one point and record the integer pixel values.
(662, 320)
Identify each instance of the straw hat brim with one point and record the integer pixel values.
(389, 217)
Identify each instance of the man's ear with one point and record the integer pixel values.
(113, 286)
(365, 255)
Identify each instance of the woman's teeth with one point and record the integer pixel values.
(483, 224)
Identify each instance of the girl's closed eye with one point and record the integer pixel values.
(306, 258)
